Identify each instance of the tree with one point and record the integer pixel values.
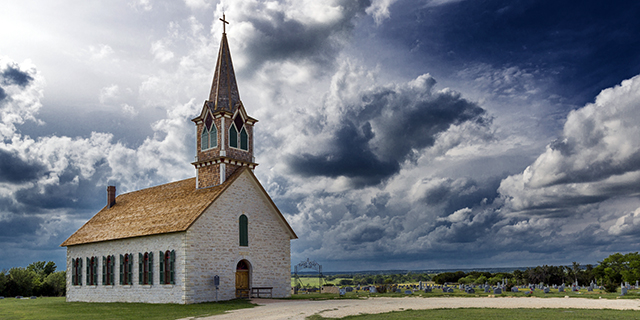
(23, 279)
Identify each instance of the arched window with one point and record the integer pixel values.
(244, 139)
(209, 137)
(108, 264)
(244, 231)
(204, 139)
(76, 271)
(145, 268)
(233, 136)
(167, 267)
(92, 271)
(126, 269)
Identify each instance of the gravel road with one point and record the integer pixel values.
(299, 309)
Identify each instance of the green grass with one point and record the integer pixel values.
(57, 308)
(482, 314)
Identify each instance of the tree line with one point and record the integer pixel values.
(37, 279)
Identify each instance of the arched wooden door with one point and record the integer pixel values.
(242, 279)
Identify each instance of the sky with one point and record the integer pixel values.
(392, 134)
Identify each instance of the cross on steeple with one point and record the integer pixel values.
(224, 22)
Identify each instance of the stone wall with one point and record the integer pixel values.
(212, 245)
(153, 293)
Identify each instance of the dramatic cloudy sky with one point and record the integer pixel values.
(393, 134)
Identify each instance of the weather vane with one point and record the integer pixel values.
(224, 22)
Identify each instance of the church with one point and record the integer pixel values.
(217, 236)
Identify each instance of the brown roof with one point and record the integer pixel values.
(224, 95)
(171, 207)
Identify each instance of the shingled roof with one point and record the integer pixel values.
(224, 95)
(167, 208)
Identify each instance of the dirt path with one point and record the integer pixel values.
(299, 309)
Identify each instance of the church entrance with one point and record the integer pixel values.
(242, 279)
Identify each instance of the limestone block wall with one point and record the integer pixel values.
(153, 293)
(213, 248)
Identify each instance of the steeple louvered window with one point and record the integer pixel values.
(209, 135)
(238, 136)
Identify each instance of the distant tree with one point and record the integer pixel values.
(23, 279)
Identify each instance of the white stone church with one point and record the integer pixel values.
(167, 244)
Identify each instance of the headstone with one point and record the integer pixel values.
(420, 285)
(33, 297)
(408, 292)
(1, 297)
(546, 289)
(343, 291)
(623, 291)
(486, 289)
(470, 290)
(561, 288)
(514, 289)
(372, 289)
(349, 289)
(497, 291)
(398, 290)
(18, 297)
(427, 289)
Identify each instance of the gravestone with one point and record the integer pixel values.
(427, 289)
(408, 292)
(514, 289)
(470, 290)
(420, 285)
(343, 291)
(497, 290)
(546, 289)
(372, 289)
(561, 288)
(398, 290)
(1, 297)
(486, 289)
(33, 297)
(623, 291)
(349, 289)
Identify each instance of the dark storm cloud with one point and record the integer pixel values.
(18, 226)
(588, 45)
(3, 94)
(14, 76)
(15, 170)
(72, 191)
(389, 127)
(279, 37)
(351, 158)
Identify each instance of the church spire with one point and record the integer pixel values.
(224, 130)
(224, 95)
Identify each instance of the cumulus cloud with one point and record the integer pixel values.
(597, 156)
(371, 133)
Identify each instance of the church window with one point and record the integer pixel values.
(145, 268)
(126, 269)
(233, 136)
(76, 271)
(204, 139)
(209, 137)
(92, 271)
(167, 267)
(108, 264)
(244, 231)
(244, 139)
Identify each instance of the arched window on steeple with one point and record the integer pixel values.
(244, 139)
(233, 136)
(209, 137)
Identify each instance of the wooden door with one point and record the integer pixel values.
(242, 284)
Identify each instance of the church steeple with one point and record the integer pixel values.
(224, 130)
(224, 93)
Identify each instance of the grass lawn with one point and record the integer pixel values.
(57, 308)
(481, 314)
